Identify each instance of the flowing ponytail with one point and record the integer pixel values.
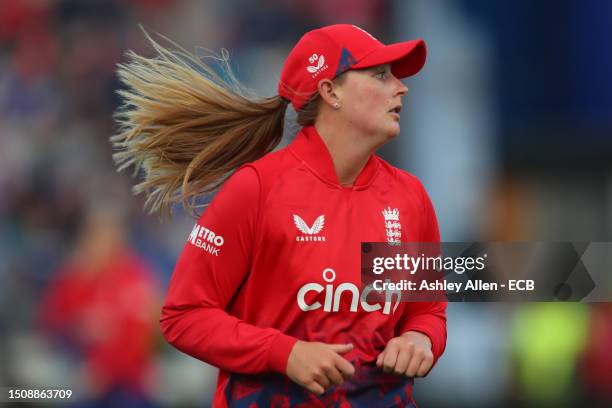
(188, 128)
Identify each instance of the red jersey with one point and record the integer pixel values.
(276, 258)
(108, 316)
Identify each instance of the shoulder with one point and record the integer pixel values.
(244, 182)
(274, 163)
(251, 182)
(256, 173)
(269, 169)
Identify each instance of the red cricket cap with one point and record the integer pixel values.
(329, 51)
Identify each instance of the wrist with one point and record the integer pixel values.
(278, 354)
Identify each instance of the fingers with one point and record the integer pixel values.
(346, 369)
(321, 378)
(342, 367)
(341, 348)
(380, 358)
(405, 358)
(314, 387)
(330, 374)
(420, 363)
(413, 365)
(388, 361)
(334, 375)
(425, 366)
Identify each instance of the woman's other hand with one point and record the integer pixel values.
(409, 354)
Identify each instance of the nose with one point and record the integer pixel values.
(402, 89)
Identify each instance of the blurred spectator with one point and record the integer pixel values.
(103, 304)
(596, 367)
(547, 341)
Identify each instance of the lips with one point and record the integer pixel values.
(397, 109)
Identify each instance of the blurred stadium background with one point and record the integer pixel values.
(509, 126)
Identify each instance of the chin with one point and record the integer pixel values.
(393, 131)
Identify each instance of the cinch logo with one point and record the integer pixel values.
(319, 65)
(392, 225)
(334, 295)
(205, 239)
(309, 233)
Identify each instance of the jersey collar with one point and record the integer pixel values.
(311, 149)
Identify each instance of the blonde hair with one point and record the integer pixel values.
(187, 128)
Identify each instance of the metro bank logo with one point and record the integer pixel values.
(206, 239)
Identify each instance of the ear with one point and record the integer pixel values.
(329, 92)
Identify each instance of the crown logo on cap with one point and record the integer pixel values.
(391, 214)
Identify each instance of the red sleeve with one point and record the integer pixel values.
(60, 304)
(428, 318)
(215, 261)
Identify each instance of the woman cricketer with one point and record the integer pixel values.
(267, 286)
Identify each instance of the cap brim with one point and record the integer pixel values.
(406, 58)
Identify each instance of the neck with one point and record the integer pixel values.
(349, 150)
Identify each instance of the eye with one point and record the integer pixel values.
(381, 75)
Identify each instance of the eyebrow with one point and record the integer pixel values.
(376, 68)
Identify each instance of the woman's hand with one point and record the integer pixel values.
(409, 354)
(317, 366)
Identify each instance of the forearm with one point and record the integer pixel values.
(217, 338)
